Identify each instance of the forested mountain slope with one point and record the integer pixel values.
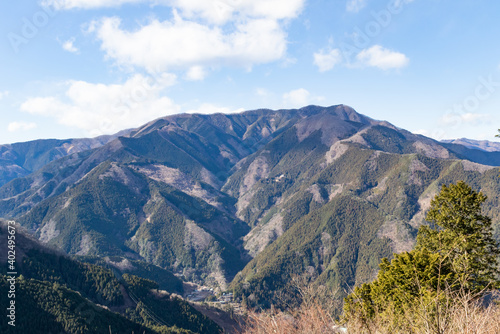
(257, 196)
(56, 294)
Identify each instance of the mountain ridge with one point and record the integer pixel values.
(483, 145)
(211, 196)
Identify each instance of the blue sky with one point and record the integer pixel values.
(79, 68)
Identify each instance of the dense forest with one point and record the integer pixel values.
(58, 294)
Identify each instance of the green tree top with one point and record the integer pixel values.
(462, 235)
(455, 254)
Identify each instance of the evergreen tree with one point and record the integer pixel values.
(456, 253)
(462, 235)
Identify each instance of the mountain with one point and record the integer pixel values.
(21, 159)
(363, 206)
(483, 145)
(246, 201)
(61, 295)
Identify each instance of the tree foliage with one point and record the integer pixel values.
(455, 255)
(462, 235)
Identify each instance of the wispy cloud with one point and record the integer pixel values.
(385, 59)
(326, 60)
(69, 46)
(375, 56)
(456, 119)
(423, 132)
(196, 73)
(86, 4)
(262, 92)
(4, 94)
(21, 126)
(299, 98)
(399, 3)
(214, 11)
(355, 5)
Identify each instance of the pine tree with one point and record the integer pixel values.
(455, 254)
(462, 236)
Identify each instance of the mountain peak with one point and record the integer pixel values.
(200, 194)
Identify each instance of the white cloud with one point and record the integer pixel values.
(262, 92)
(69, 46)
(202, 34)
(21, 126)
(208, 108)
(213, 11)
(288, 61)
(422, 132)
(103, 109)
(222, 11)
(457, 119)
(472, 118)
(355, 5)
(4, 94)
(299, 98)
(86, 4)
(326, 60)
(435, 133)
(296, 98)
(383, 58)
(181, 44)
(196, 73)
(376, 56)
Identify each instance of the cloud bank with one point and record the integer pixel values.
(103, 109)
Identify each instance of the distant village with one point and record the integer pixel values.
(204, 294)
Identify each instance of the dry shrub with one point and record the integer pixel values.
(314, 315)
(474, 318)
(463, 316)
(312, 319)
(462, 313)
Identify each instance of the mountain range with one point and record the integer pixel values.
(242, 201)
(483, 145)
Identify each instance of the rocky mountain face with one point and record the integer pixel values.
(246, 200)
